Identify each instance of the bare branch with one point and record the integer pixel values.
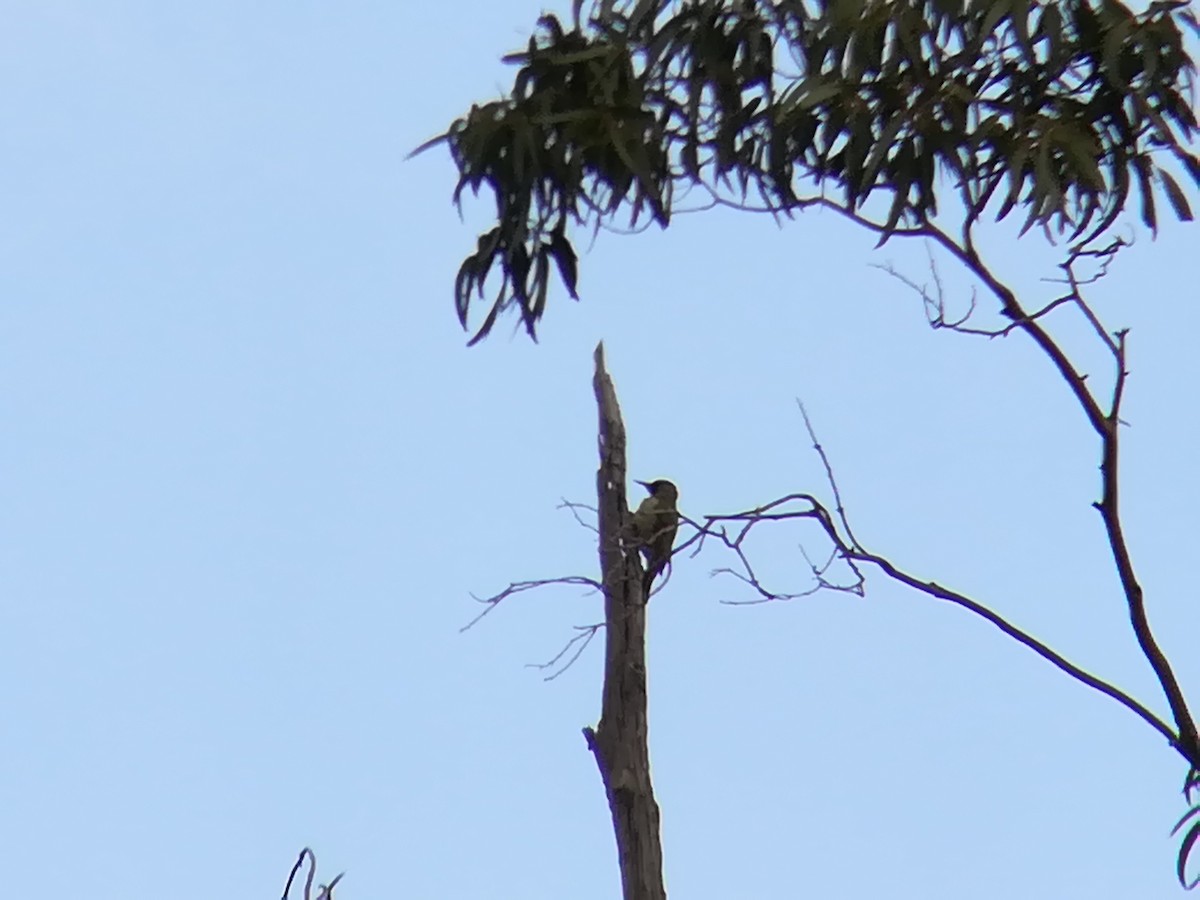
(1106, 425)
(849, 549)
(801, 203)
(764, 596)
(935, 305)
(837, 494)
(775, 512)
(933, 589)
(1188, 742)
(574, 509)
(856, 554)
(1105, 256)
(579, 642)
(518, 587)
(1012, 308)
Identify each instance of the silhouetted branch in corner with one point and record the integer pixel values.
(324, 891)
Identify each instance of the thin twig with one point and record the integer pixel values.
(574, 509)
(518, 587)
(775, 511)
(579, 641)
(837, 494)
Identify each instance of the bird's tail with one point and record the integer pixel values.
(653, 571)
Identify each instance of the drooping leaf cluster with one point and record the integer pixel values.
(1064, 110)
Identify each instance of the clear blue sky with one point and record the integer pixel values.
(249, 476)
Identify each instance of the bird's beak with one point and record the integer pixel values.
(645, 484)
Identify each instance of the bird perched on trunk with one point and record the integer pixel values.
(654, 525)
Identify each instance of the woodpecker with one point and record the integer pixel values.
(654, 525)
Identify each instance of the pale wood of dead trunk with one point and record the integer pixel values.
(619, 742)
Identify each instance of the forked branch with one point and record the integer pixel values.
(856, 555)
(1103, 414)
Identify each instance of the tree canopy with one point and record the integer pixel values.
(1063, 110)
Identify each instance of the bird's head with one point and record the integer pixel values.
(662, 489)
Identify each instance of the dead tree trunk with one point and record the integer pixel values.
(619, 741)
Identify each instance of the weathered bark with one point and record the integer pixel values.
(619, 742)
